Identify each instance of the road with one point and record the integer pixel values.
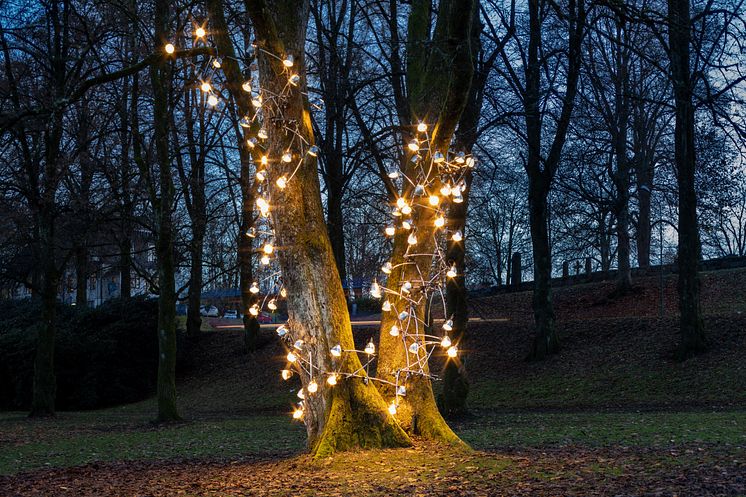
(355, 324)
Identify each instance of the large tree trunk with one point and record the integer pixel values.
(160, 77)
(438, 76)
(194, 294)
(643, 224)
(691, 324)
(352, 413)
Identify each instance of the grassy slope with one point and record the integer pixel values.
(613, 384)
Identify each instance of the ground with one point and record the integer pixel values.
(612, 414)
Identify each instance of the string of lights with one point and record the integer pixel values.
(435, 180)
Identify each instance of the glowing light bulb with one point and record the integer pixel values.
(387, 268)
(246, 86)
(262, 134)
(412, 239)
(370, 349)
(298, 344)
(254, 288)
(298, 414)
(452, 272)
(440, 221)
(470, 162)
(264, 260)
(216, 64)
(287, 157)
(282, 182)
(402, 390)
(407, 225)
(403, 315)
(414, 146)
(288, 61)
(301, 394)
(200, 32)
(286, 374)
(419, 190)
(212, 100)
(263, 205)
(414, 348)
(392, 408)
(251, 233)
(422, 127)
(268, 248)
(457, 199)
(448, 325)
(282, 330)
(257, 101)
(245, 122)
(291, 357)
(375, 290)
(446, 342)
(394, 331)
(460, 157)
(294, 80)
(445, 190)
(205, 87)
(271, 305)
(457, 236)
(400, 202)
(264, 160)
(283, 293)
(406, 287)
(433, 200)
(390, 230)
(452, 351)
(336, 351)
(393, 174)
(260, 176)
(438, 157)
(313, 387)
(386, 307)
(170, 48)
(254, 310)
(406, 210)
(332, 379)
(313, 151)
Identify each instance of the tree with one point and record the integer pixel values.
(352, 413)
(541, 159)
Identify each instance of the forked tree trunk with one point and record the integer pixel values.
(692, 339)
(352, 413)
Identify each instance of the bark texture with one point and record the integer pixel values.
(352, 413)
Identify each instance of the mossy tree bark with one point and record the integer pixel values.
(438, 78)
(352, 413)
(691, 326)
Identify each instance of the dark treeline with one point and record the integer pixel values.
(605, 130)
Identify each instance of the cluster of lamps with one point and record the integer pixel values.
(438, 179)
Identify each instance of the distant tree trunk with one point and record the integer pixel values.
(234, 81)
(194, 293)
(245, 247)
(691, 324)
(81, 277)
(335, 221)
(160, 76)
(352, 413)
(643, 225)
(541, 171)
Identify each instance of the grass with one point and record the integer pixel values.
(78, 438)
